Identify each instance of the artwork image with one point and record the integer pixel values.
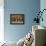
(16, 18)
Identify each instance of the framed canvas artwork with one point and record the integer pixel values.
(17, 19)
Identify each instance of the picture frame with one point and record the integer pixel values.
(17, 19)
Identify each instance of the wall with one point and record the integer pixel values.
(28, 8)
(43, 6)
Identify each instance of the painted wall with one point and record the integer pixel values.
(43, 6)
(26, 7)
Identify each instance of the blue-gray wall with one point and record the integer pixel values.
(26, 7)
(43, 6)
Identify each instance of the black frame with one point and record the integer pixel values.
(13, 20)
